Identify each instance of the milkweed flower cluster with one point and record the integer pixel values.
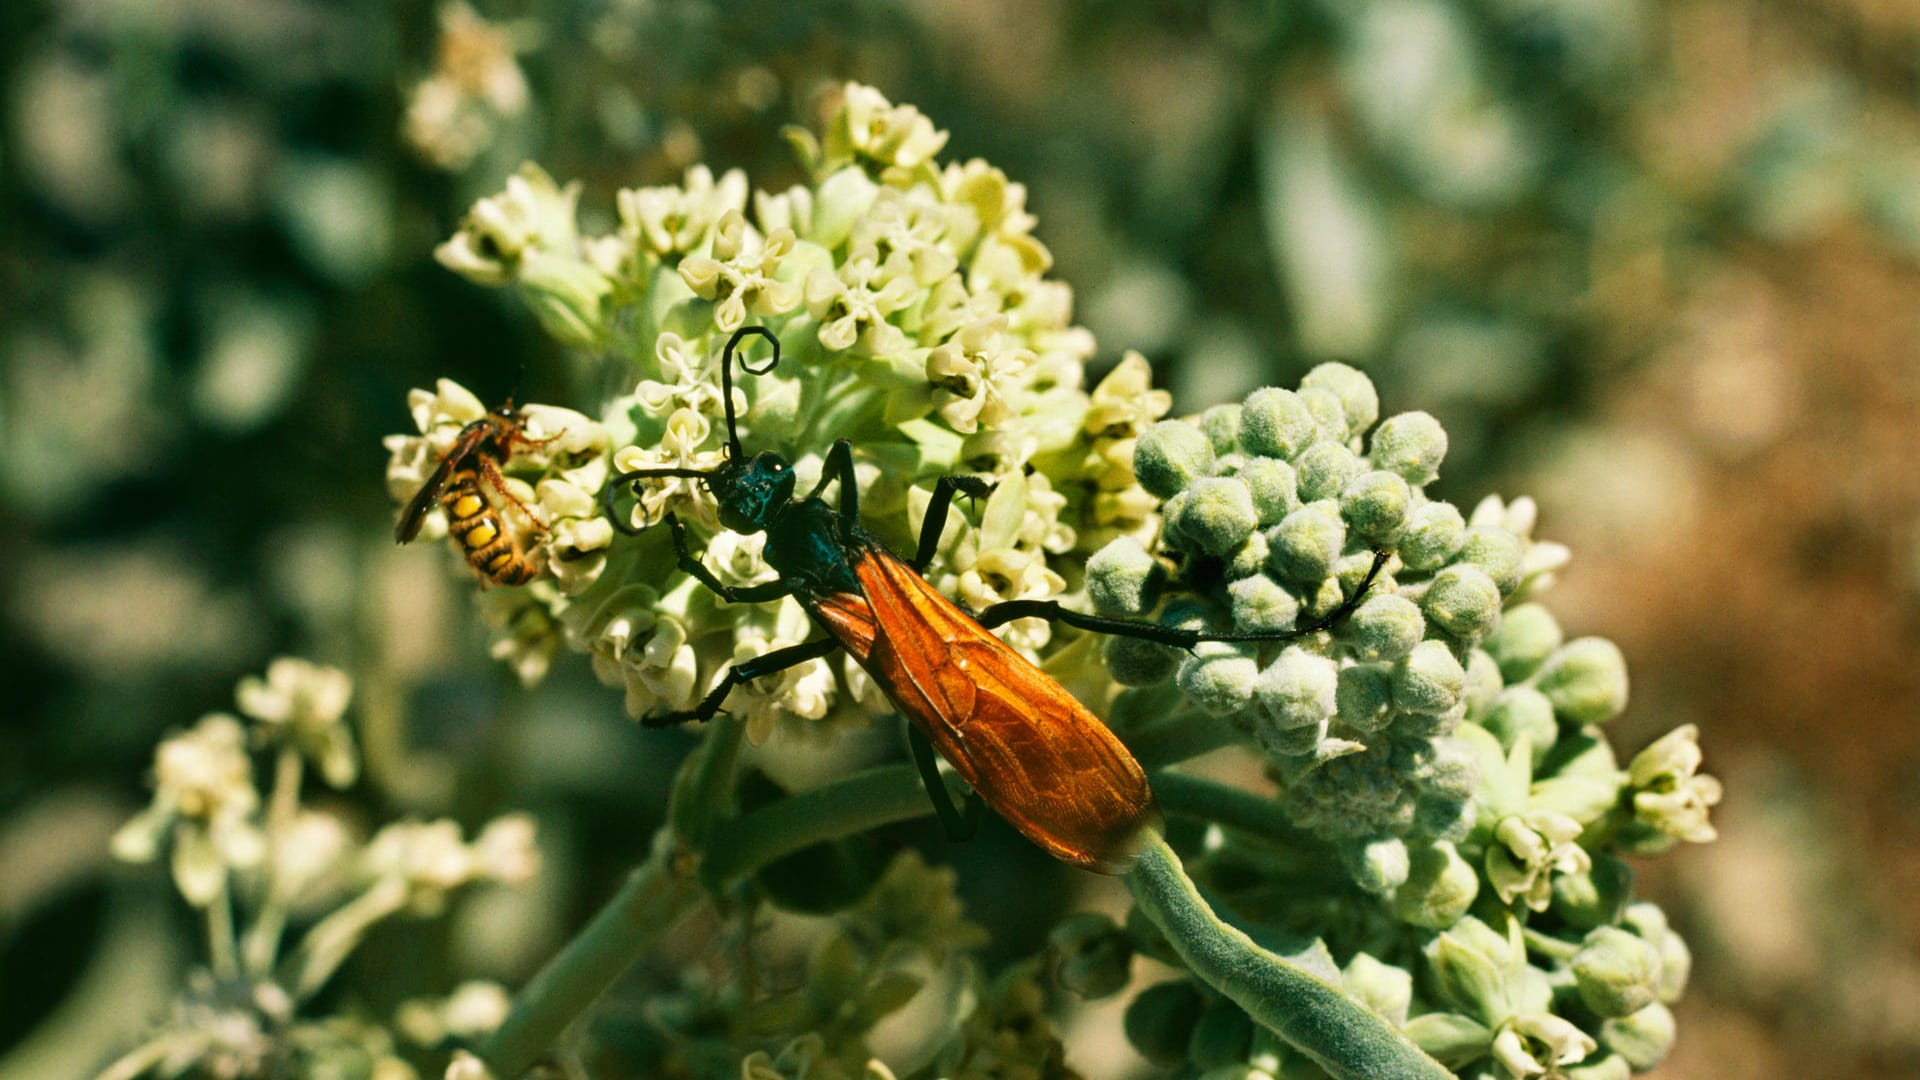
(257, 864)
(915, 317)
(1440, 752)
(1445, 743)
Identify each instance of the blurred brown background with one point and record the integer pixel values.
(1655, 263)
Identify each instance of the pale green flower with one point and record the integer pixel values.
(739, 276)
(971, 374)
(204, 799)
(300, 704)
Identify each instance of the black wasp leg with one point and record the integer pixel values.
(960, 826)
(935, 522)
(1178, 637)
(745, 671)
(839, 466)
(732, 594)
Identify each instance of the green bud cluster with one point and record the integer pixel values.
(1443, 742)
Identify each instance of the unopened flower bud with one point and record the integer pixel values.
(1215, 517)
(1463, 601)
(1295, 696)
(1250, 558)
(1412, 445)
(1358, 399)
(1219, 676)
(1261, 603)
(1323, 471)
(1595, 898)
(1171, 455)
(1222, 425)
(1385, 627)
(1642, 1039)
(1528, 634)
(1522, 712)
(1273, 486)
(1586, 680)
(1617, 973)
(1123, 579)
(1376, 505)
(1363, 696)
(1306, 543)
(1496, 551)
(1429, 679)
(1275, 423)
(1434, 532)
(1379, 866)
(1483, 683)
(1441, 885)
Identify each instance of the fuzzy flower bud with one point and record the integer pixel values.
(1214, 517)
(1617, 973)
(1122, 579)
(1364, 696)
(1376, 505)
(1275, 423)
(1434, 533)
(1586, 680)
(1496, 551)
(1306, 543)
(1171, 455)
(1133, 662)
(1528, 634)
(1325, 469)
(1273, 486)
(1385, 627)
(1295, 697)
(1219, 676)
(1521, 712)
(1643, 1038)
(1260, 603)
(1359, 401)
(1441, 885)
(1222, 425)
(1463, 601)
(1411, 445)
(1428, 679)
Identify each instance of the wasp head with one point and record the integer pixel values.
(752, 491)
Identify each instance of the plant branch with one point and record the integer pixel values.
(1318, 1018)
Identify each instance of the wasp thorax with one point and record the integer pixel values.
(751, 492)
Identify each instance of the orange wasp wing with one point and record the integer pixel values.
(1032, 751)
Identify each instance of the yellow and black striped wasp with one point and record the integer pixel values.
(473, 519)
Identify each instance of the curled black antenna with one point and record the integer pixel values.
(734, 450)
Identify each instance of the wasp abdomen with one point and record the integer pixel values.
(473, 521)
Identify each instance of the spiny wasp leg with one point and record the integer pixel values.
(960, 826)
(745, 671)
(944, 490)
(732, 594)
(1178, 637)
(839, 466)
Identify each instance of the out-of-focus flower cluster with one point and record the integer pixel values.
(257, 863)
(1444, 743)
(915, 318)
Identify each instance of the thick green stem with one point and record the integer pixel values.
(865, 800)
(657, 894)
(1319, 1019)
